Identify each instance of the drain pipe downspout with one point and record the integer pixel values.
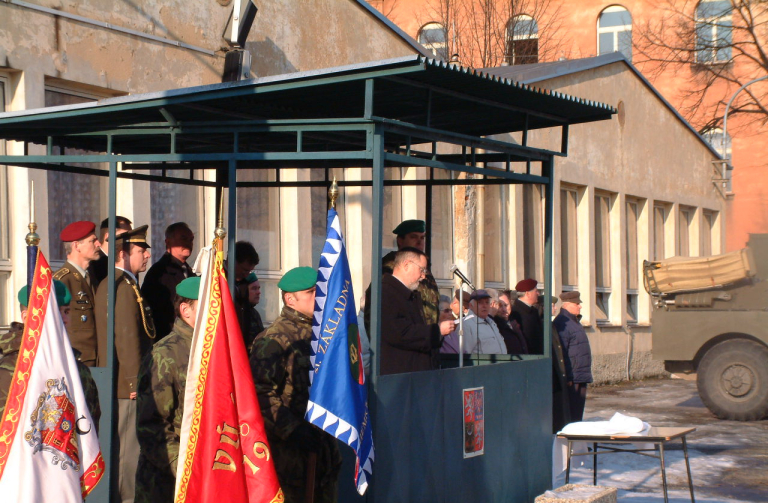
(630, 350)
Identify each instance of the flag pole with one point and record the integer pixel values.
(220, 232)
(32, 239)
(333, 193)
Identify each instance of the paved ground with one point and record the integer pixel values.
(728, 458)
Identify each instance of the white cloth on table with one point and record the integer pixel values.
(619, 424)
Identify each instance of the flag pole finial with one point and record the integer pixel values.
(333, 193)
(32, 239)
(220, 232)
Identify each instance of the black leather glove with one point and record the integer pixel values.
(307, 437)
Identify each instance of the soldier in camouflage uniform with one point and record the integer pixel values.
(162, 380)
(82, 247)
(10, 342)
(280, 365)
(410, 234)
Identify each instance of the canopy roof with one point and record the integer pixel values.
(411, 90)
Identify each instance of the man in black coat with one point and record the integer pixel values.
(97, 269)
(526, 313)
(509, 329)
(159, 287)
(408, 344)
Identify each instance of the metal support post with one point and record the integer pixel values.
(548, 170)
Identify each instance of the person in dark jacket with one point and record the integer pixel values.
(408, 343)
(255, 326)
(98, 269)
(576, 352)
(525, 312)
(159, 287)
(510, 329)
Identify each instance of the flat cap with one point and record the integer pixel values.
(479, 294)
(573, 297)
(298, 279)
(408, 226)
(63, 297)
(252, 278)
(526, 285)
(189, 288)
(466, 297)
(77, 231)
(137, 236)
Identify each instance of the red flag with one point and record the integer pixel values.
(223, 443)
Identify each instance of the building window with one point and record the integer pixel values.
(714, 31)
(522, 40)
(61, 186)
(602, 256)
(684, 231)
(435, 39)
(187, 207)
(441, 237)
(533, 232)
(659, 223)
(569, 246)
(258, 221)
(493, 269)
(6, 295)
(632, 263)
(707, 233)
(614, 31)
(393, 210)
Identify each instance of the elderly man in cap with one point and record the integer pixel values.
(160, 402)
(481, 335)
(82, 247)
(410, 234)
(98, 268)
(526, 313)
(10, 343)
(134, 332)
(280, 365)
(576, 352)
(159, 285)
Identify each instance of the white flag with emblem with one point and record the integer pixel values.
(49, 450)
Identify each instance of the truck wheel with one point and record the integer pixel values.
(733, 380)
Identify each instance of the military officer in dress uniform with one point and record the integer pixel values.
(134, 331)
(82, 247)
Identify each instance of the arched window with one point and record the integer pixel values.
(434, 38)
(714, 31)
(614, 31)
(522, 40)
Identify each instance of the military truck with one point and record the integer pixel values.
(710, 316)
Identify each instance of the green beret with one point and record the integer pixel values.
(189, 288)
(408, 226)
(251, 278)
(63, 296)
(298, 279)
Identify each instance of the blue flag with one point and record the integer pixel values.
(338, 397)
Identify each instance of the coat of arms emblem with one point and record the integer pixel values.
(54, 425)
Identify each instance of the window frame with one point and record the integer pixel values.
(615, 30)
(514, 38)
(7, 302)
(572, 239)
(437, 48)
(711, 24)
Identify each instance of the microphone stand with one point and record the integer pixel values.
(461, 322)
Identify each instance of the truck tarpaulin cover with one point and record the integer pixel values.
(685, 274)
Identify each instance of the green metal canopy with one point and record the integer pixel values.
(409, 111)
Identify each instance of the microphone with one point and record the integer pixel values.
(456, 272)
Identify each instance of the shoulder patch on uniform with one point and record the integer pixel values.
(61, 273)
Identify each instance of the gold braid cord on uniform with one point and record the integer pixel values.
(150, 330)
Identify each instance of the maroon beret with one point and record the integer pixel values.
(77, 231)
(526, 285)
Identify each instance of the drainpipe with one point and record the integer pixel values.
(630, 350)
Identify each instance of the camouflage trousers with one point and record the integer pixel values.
(292, 465)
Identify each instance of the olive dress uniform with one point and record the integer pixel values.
(280, 365)
(82, 325)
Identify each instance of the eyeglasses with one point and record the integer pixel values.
(423, 270)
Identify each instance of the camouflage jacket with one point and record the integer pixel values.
(10, 342)
(159, 411)
(280, 365)
(430, 295)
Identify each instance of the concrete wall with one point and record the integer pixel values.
(40, 50)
